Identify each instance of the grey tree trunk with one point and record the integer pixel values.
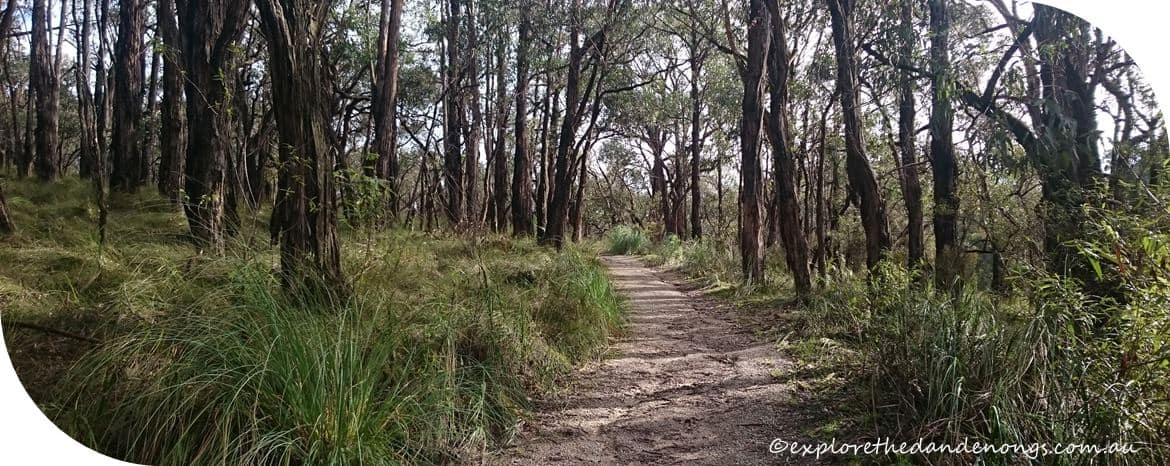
(209, 28)
(522, 221)
(304, 220)
(385, 102)
(172, 143)
(857, 167)
(911, 186)
(752, 190)
(789, 222)
(942, 151)
(44, 83)
(127, 151)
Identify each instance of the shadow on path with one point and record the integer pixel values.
(686, 385)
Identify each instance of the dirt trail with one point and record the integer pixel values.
(687, 386)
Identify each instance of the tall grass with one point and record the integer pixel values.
(430, 359)
(950, 367)
(375, 378)
(714, 260)
(584, 310)
(624, 240)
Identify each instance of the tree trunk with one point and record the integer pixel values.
(385, 101)
(558, 215)
(6, 225)
(658, 186)
(102, 100)
(787, 205)
(861, 176)
(305, 217)
(127, 148)
(544, 181)
(206, 51)
(500, 191)
(578, 210)
(822, 204)
(453, 117)
(696, 141)
(171, 122)
(522, 224)
(10, 152)
(85, 104)
(942, 151)
(678, 186)
(1067, 152)
(911, 186)
(149, 131)
(43, 81)
(751, 193)
(471, 98)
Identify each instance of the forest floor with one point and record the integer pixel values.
(687, 384)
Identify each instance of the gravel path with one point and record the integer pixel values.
(687, 385)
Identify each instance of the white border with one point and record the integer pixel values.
(28, 437)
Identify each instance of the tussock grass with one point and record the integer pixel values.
(624, 240)
(710, 259)
(431, 359)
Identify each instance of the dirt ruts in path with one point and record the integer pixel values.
(686, 385)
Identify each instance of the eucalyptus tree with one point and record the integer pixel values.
(129, 161)
(522, 189)
(942, 150)
(454, 115)
(44, 85)
(907, 130)
(208, 32)
(1062, 141)
(6, 224)
(172, 127)
(7, 15)
(759, 38)
(588, 59)
(787, 206)
(304, 220)
(861, 175)
(385, 100)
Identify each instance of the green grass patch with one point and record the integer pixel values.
(624, 240)
(431, 359)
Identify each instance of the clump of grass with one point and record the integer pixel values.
(713, 261)
(840, 308)
(624, 240)
(247, 374)
(951, 366)
(268, 380)
(579, 317)
(430, 359)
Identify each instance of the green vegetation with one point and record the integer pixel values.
(952, 215)
(1048, 363)
(624, 240)
(431, 357)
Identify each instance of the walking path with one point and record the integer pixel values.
(688, 385)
